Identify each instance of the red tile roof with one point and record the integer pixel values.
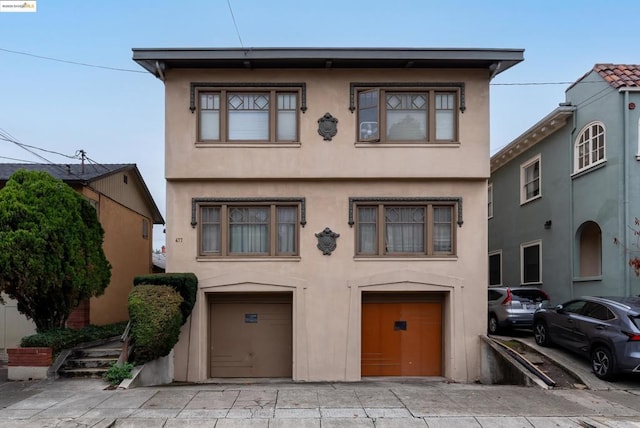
(619, 74)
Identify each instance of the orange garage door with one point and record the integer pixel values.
(401, 338)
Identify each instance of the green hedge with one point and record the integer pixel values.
(184, 283)
(66, 338)
(154, 311)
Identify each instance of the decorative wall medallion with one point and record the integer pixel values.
(327, 241)
(327, 126)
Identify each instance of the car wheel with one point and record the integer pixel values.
(602, 363)
(493, 327)
(541, 333)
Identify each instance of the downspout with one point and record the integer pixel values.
(572, 235)
(160, 70)
(625, 186)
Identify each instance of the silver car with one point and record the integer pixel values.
(513, 307)
(606, 330)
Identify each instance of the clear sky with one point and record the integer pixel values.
(118, 116)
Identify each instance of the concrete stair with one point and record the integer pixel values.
(92, 361)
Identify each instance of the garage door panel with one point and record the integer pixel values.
(251, 339)
(401, 339)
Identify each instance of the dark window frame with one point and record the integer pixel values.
(227, 203)
(430, 89)
(455, 204)
(224, 89)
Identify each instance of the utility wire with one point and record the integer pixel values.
(17, 160)
(5, 136)
(72, 62)
(242, 45)
(234, 23)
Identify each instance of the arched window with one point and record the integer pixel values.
(589, 147)
(590, 249)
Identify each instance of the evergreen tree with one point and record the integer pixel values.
(51, 255)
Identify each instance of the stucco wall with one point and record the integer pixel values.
(327, 91)
(327, 290)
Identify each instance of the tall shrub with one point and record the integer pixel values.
(154, 311)
(51, 255)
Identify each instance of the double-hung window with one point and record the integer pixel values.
(264, 115)
(397, 229)
(408, 115)
(247, 229)
(530, 180)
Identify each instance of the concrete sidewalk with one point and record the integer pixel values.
(380, 403)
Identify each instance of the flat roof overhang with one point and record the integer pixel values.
(156, 61)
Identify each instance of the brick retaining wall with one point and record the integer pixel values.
(30, 357)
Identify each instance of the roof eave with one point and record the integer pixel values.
(156, 61)
(532, 136)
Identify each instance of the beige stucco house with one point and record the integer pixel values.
(127, 213)
(332, 203)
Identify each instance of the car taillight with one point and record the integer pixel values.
(546, 296)
(633, 337)
(507, 300)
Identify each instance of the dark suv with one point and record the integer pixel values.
(606, 330)
(513, 307)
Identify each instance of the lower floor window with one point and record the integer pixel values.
(530, 255)
(416, 229)
(257, 230)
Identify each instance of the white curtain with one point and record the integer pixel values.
(442, 217)
(210, 230)
(405, 229)
(287, 219)
(367, 237)
(249, 230)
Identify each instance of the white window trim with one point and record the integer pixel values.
(523, 167)
(493, 253)
(576, 159)
(527, 245)
(490, 200)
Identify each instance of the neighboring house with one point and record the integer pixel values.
(127, 213)
(332, 204)
(566, 191)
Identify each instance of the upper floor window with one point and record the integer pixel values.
(399, 229)
(589, 147)
(266, 115)
(530, 180)
(408, 115)
(247, 229)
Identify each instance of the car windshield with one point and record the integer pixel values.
(636, 320)
(530, 295)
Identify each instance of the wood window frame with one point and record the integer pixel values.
(431, 89)
(429, 203)
(225, 203)
(223, 89)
